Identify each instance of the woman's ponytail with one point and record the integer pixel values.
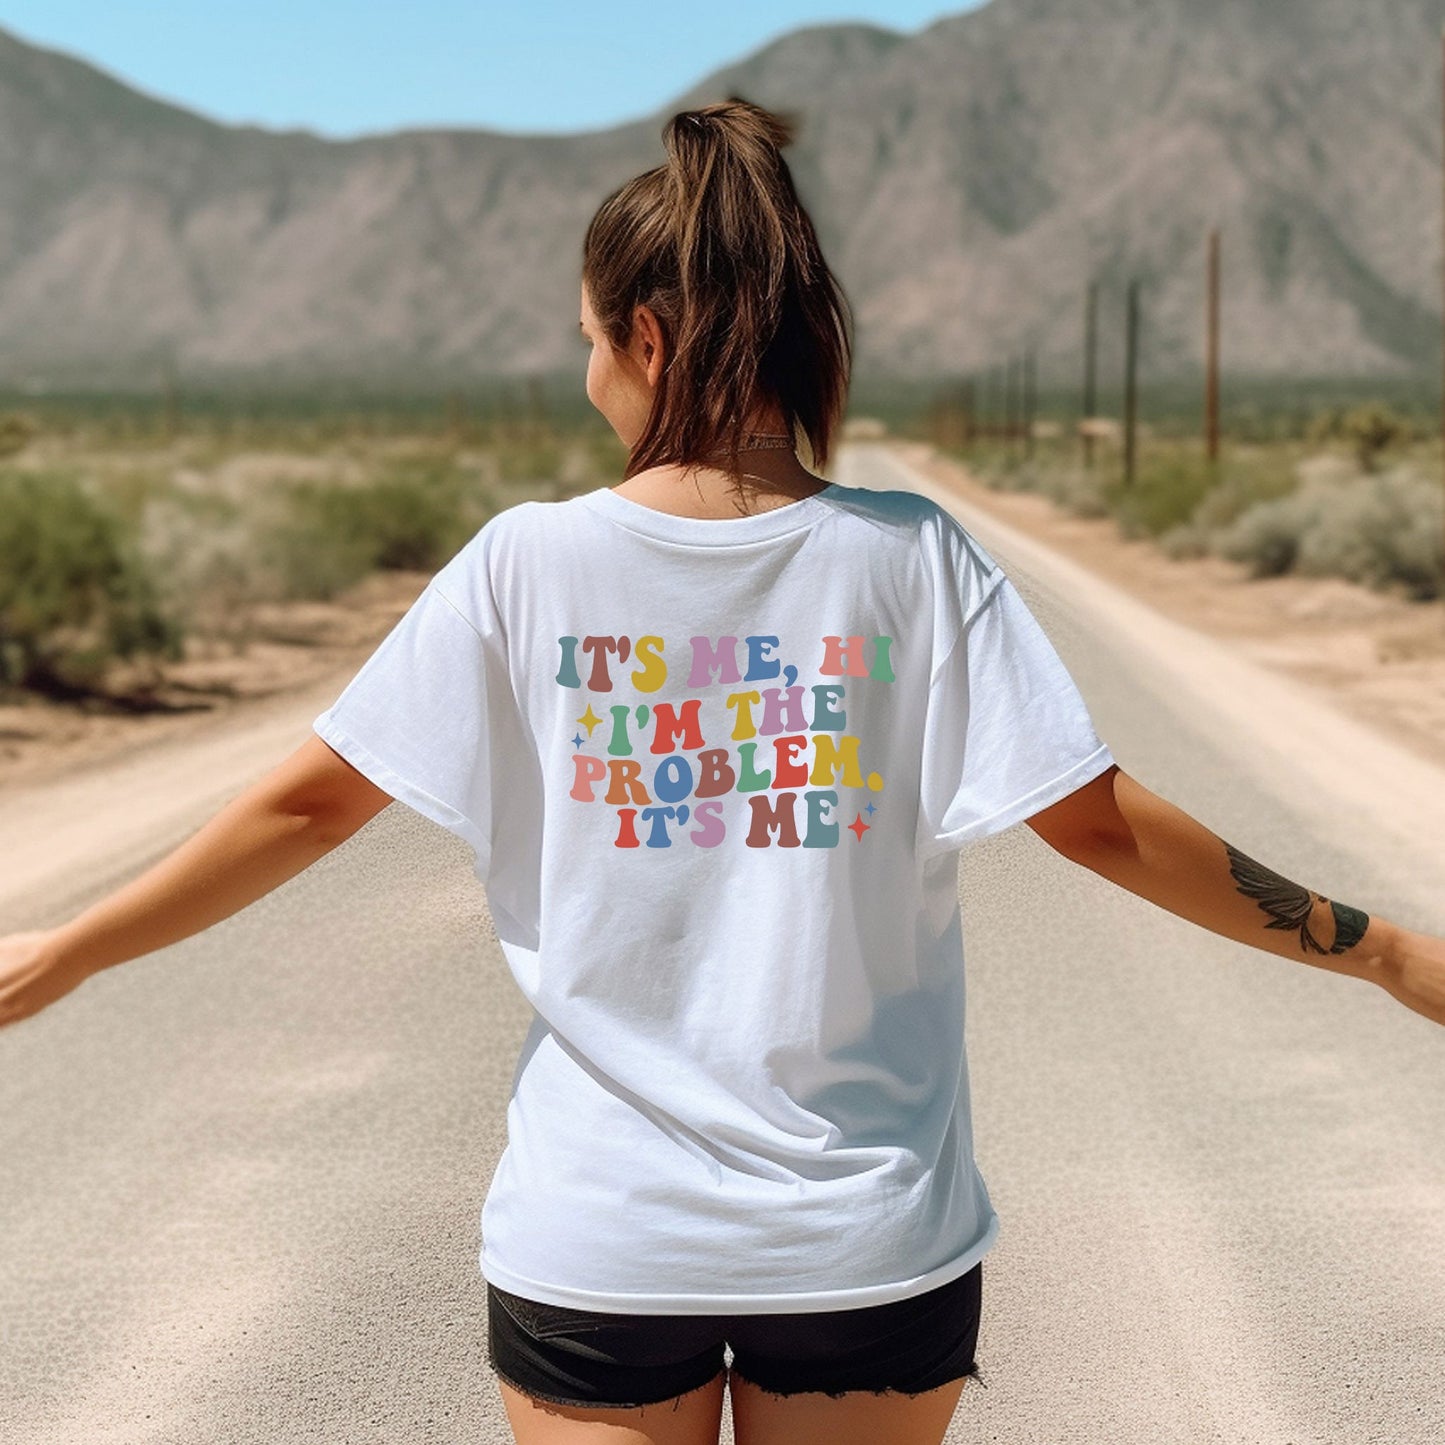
(718, 245)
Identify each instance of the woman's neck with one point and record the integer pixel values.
(772, 478)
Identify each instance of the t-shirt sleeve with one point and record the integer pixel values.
(414, 719)
(1007, 730)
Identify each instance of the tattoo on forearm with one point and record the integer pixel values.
(1290, 906)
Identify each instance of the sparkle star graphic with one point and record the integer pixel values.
(870, 809)
(578, 741)
(858, 827)
(589, 719)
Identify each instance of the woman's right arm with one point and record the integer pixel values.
(1118, 828)
(306, 806)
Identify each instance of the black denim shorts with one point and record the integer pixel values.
(585, 1357)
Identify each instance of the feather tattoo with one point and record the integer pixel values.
(1289, 906)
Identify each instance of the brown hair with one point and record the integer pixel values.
(717, 244)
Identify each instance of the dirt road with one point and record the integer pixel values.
(243, 1175)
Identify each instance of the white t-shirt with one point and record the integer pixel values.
(716, 774)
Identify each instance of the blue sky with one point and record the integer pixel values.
(346, 67)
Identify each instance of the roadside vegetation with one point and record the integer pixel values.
(1355, 493)
(126, 535)
(122, 541)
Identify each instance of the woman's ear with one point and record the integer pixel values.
(647, 341)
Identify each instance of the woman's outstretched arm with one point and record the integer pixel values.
(1120, 830)
(306, 806)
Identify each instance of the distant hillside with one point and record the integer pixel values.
(966, 180)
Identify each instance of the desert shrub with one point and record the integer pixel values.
(201, 546)
(330, 536)
(302, 558)
(16, 433)
(1168, 486)
(1185, 539)
(1265, 538)
(131, 491)
(1326, 425)
(75, 591)
(1015, 474)
(1079, 490)
(1000, 468)
(594, 459)
(1371, 429)
(1380, 530)
(1244, 478)
(524, 459)
(605, 457)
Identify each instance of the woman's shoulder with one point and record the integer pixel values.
(926, 522)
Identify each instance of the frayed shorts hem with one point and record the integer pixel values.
(585, 1359)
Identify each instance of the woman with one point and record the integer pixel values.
(715, 736)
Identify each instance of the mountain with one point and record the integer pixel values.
(966, 181)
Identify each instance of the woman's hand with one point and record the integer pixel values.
(301, 810)
(1414, 973)
(32, 975)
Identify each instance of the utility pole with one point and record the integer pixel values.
(1091, 347)
(1131, 368)
(1211, 375)
(1010, 405)
(170, 397)
(1029, 399)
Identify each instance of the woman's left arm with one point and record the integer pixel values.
(307, 805)
(1117, 828)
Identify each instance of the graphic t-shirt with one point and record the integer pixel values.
(715, 774)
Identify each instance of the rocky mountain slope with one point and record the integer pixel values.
(966, 181)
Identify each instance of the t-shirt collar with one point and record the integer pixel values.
(711, 531)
